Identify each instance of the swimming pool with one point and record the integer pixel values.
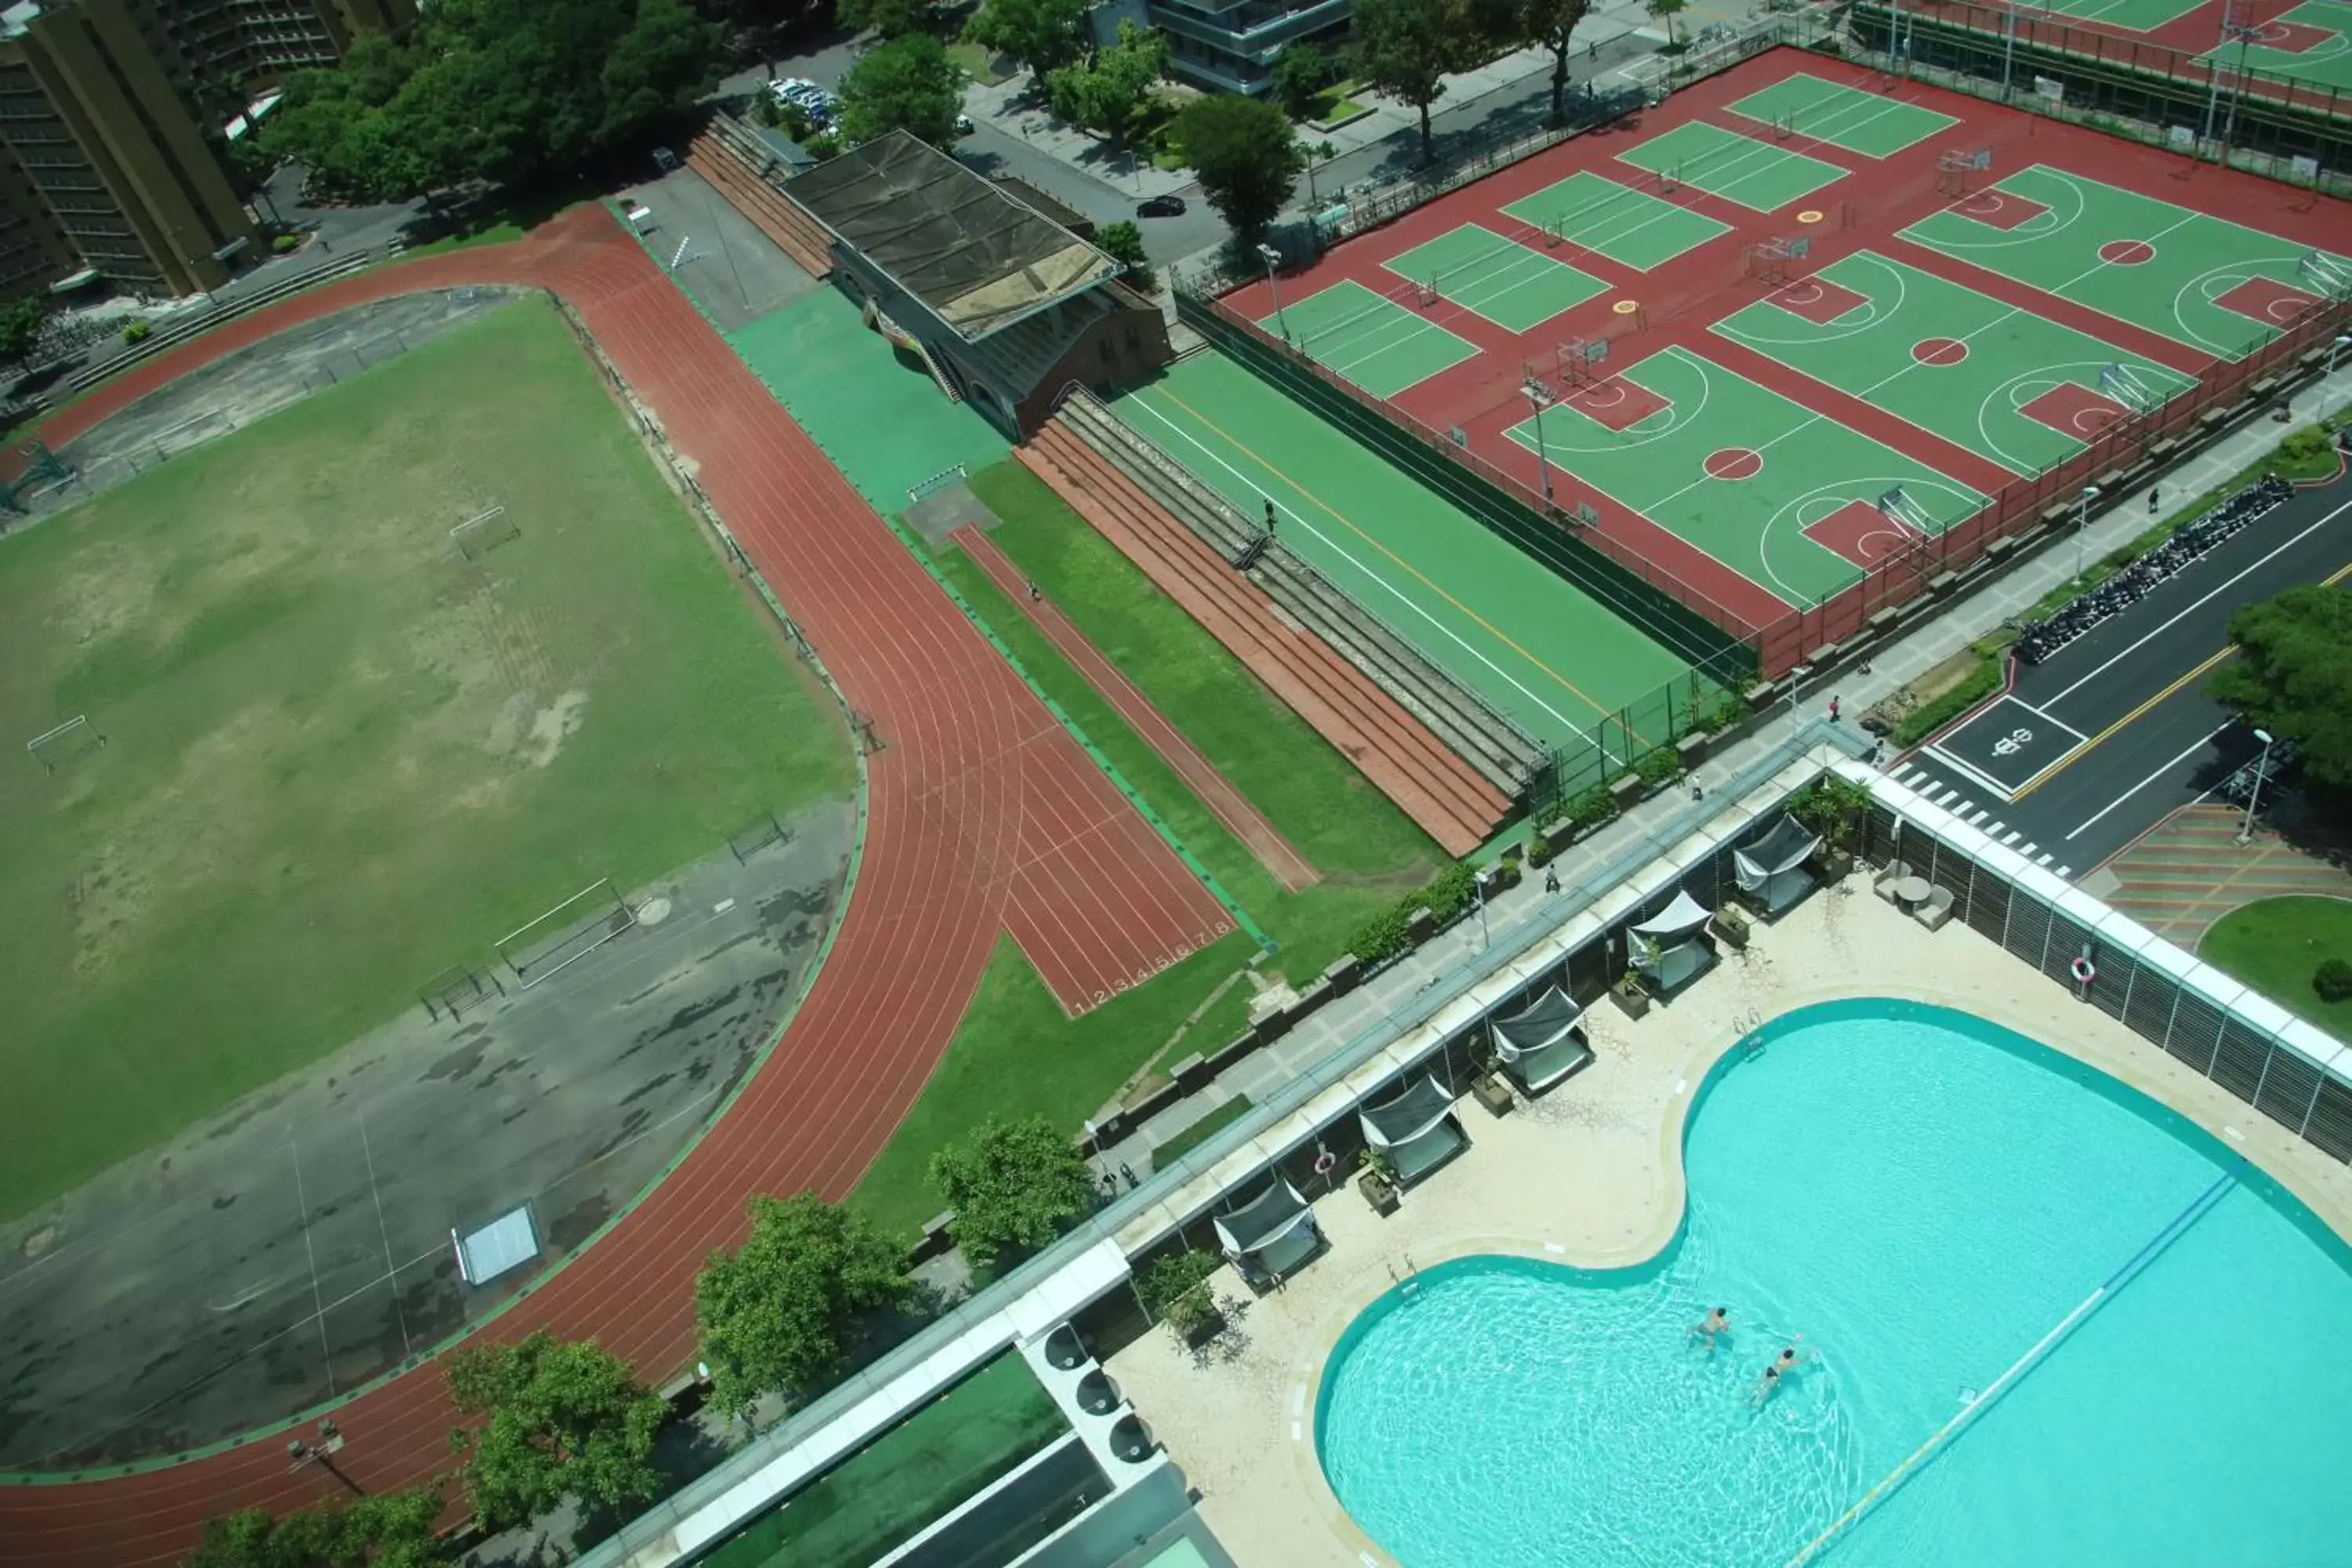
(1924, 1196)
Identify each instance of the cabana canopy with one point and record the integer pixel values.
(1541, 1043)
(1273, 1215)
(1782, 850)
(1666, 948)
(1676, 922)
(1410, 1115)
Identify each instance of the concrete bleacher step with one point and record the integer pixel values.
(1441, 791)
(1506, 756)
(1435, 764)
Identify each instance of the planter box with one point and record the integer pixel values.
(1377, 1192)
(1632, 1000)
(1421, 926)
(1342, 974)
(1731, 925)
(1191, 1074)
(1492, 1092)
(1691, 751)
(1836, 864)
(1625, 791)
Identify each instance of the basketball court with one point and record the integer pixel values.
(2216, 286)
(2312, 42)
(2138, 15)
(2008, 385)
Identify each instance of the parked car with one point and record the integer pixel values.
(1161, 206)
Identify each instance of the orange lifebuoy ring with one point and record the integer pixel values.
(2083, 972)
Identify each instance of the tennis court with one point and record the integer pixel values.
(2216, 286)
(1536, 646)
(1631, 227)
(2313, 42)
(2139, 15)
(2000, 380)
(1368, 337)
(1872, 124)
(1502, 279)
(1759, 175)
(1790, 499)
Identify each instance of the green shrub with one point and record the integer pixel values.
(285, 243)
(1175, 1290)
(136, 331)
(1539, 848)
(2334, 981)
(1661, 766)
(1832, 807)
(1729, 708)
(1390, 932)
(1593, 807)
(1928, 718)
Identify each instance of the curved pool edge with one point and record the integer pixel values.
(2133, 1064)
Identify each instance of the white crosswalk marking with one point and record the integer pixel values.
(2010, 838)
(2065, 871)
(2029, 847)
(2046, 859)
(1948, 796)
(1979, 818)
(1916, 777)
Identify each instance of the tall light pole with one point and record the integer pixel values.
(2082, 526)
(1796, 684)
(1272, 257)
(2261, 770)
(1539, 396)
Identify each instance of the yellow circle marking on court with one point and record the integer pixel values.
(1811, 215)
(1626, 307)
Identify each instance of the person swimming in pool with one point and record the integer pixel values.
(1767, 1382)
(1716, 1322)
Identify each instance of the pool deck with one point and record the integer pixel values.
(1592, 1175)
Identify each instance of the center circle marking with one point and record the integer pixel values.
(2127, 252)
(1940, 351)
(1734, 463)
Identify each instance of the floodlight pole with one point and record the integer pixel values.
(2261, 771)
(2082, 527)
(1539, 396)
(2230, 127)
(1270, 256)
(2007, 52)
(300, 1455)
(1796, 684)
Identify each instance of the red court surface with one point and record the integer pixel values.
(1675, 303)
(2075, 410)
(2268, 300)
(981, 813)
(1863, 534)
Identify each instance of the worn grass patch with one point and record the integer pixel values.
(339, 757)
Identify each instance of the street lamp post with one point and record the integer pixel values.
(2261, 771)
(300, 1455)
(1796, 685)
(2082, 525)
(1271, 257)
(1540, 397)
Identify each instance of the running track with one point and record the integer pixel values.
(983, 815)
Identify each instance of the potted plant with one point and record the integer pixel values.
(1176, 1290)
(1630, 998)
(1378, 1180)
(1731, 925)
(1835, 808)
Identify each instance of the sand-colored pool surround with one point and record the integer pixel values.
(1592, 1175)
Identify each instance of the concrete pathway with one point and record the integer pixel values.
(2191, 870)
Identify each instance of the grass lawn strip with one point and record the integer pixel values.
(339, 758)
(2276, 945)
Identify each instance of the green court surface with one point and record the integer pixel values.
(1502, 279)
(877, 414)
(2213, 285)
(2139, 15)
(1369, 338)
(1742, 472)
(1949, 360)
(1536, 647)
(1757, 174)
(2312, 43)
(1631, 227)
(1870, 123)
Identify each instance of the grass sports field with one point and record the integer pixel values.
(339, 757)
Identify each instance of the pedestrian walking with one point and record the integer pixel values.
(1035, 593)
(1834, 708)
(2152, 502)
(1551, 879)
(1269, 517)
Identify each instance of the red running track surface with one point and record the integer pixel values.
(982, 815)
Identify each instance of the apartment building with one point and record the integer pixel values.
(1229, 46)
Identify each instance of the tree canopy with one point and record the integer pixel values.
(1405, 47)
(1123, 243)
(1011, 1184)
(507, 90)
(562, 1418)
(391, 1531)
(907, 84)
(775, 1313)
(891, 18)
(1111, 89)
(1248, 156)
(1043, 35)
(1551, 25)
(1666, 11)
(2293, 675)
(1300, 72)
(20, 327)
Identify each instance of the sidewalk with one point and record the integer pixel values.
(1666, 818)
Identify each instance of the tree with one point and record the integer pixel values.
(1042, 34)
(1110, 91)
(1123, 243)
(1666, 11)
(1013, 1184)
(775, 1312)
(563, 1418)
(21, 322)
(891, 18)
(1248, 156)
(2293, 675)
(1300, 72)
(1405, 47)
(1551, 23)
(907, 84)
(669, 56)
(391, 1531)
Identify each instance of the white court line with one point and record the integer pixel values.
(399, 1313)
(318, 1295)
(2202, 743)
(1408, 602)
(2113, 659)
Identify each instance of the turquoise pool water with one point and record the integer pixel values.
(1923, 1196)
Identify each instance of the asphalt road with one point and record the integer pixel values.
(2085, 752)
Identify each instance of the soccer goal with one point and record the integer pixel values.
(480, 535)
(61, 746)
(567, 933)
